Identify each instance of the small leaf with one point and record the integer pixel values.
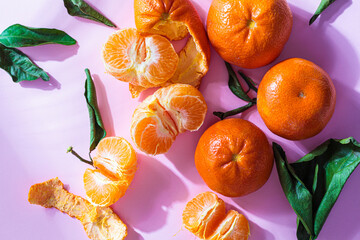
(80, 8)
(97, 129)
(235, 86)
(249, 81)
(21, 36)
(223, 115)
(19, 66)
(323, 5)
(313, 184)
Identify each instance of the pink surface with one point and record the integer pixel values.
(39, 120)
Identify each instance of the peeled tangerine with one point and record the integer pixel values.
(116, 165)
(100, 223)
(206, 217)
(144, 61)
(162, 116)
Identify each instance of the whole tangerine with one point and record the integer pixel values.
(296, 99)
(234, 157)
(249, 33)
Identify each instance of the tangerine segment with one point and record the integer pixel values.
(143, 61)
(162, 116)
(115, 157)
(100, 223)
(174, 19)
(233, 226)
(103, 190)
(234, 157)
(186, 106)
(205, 216)
(152, 128)
(296, 99)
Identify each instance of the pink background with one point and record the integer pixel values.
(39, 120)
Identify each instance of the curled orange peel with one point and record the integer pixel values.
(175, 19)
(100, 223)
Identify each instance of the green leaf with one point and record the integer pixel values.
(323, 5)
(97, 129)
(21, 36)
(313, 183)
(19, 66)
(80, 8)
(223, 115)
(235, 86)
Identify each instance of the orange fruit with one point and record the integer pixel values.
(296, 99)
(175, 19)
(162, 116)
(142, 61)
(249, 33)
(116, 157)
(99, 222)
(234, 157)
(116, 165)
(101, 189)
(205, 216)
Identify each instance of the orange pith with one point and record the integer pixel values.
(296, 99)
(249, 33)
(206, 217)
(162, 116)
(175, 19)
(116, 164)
(234, 157)
(142, 60)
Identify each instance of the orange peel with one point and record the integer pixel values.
(100, 223)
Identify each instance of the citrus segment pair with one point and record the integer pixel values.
(206, 217)
(249, 33)
(162, 116)
(234, 157)
(116, 166)
(143, 61)
(296, 99)
(175, 19)
(100, 223)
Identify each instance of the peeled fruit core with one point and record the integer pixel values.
(143, 61)
(100, 223)
(205, 216)
(162, 116)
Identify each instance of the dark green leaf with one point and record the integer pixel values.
(235, 86)
(323, 5)
(249, 81)
(313, 183)
(21, 36)
(19, 66)
(97, 129)
(223, 115)
(80, 8)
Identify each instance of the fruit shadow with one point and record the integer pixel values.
(185, 145)
(256, 232)
(150, 196)
(268, 203)
(104, 107)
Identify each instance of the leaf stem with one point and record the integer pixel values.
(251, 84)
(70, 149)
(223, 115)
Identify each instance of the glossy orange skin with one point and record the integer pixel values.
(296, 99)
(249, 33)
(234, 157)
